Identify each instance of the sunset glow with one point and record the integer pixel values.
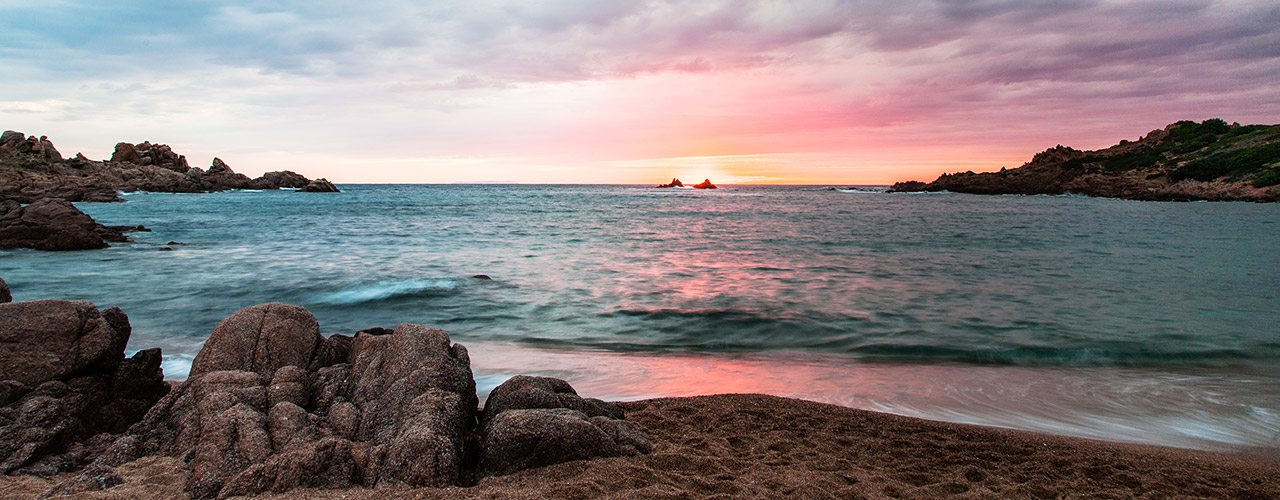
(630, 92)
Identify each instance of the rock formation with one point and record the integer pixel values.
(538, 421)
(52, 224)
(320, 186)
(705, 184)
(65, 385)
(673, 183)
(1184, 161)
(4, 292)
(271, 405)
(31, 169)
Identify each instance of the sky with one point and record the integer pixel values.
(600, 91)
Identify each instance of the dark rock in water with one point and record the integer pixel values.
(4, 292)
(129, 229)
(65, 385)
(673, 183)
(271, 405)
(908, 187)
(52, 224)
(166, 249)
(537, 421)
(283, 179)
(482, 277)
(377, 330)
(176, 243)
(320, 186)
(705, 184)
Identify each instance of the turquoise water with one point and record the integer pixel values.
(1139, 321)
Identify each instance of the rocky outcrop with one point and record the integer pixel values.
(52, 224)
(65, 385)
(31, 169)
(538, 421)
(283, 179)
(4, 292)
(1184, 161)
(673, 183)
(145, 153)
(320, 186)
(272, 405)
(13, 143)
(705, 184)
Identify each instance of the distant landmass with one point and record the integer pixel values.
(32, 169)
(1185, 161)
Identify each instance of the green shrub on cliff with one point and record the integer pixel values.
(1234, 165)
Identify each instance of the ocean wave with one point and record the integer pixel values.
(387, 289)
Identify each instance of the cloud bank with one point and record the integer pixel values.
(569, 90)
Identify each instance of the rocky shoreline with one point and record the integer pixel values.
(1185, 161)
(272, 405)
(34, 173)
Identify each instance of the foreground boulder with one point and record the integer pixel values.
(272, 405)
(538, 421)
(4, 292)
(52, 224)
(65, 385)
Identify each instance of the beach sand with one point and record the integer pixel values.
(755, 446)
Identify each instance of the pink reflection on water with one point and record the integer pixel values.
(1115, 404)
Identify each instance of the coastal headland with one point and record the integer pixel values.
(274, 409)
(33, 172)
(1185, 161)
(31, 168)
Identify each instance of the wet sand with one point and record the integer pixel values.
(754, 446)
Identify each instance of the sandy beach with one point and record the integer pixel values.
(756, 446)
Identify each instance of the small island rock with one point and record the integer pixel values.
(320, 186)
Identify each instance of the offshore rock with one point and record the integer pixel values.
(65, 385)
(705, 184)
(282, 179)
(320, 186)
(674, 183)
(52, 224)
(271, 405)
(538, 421)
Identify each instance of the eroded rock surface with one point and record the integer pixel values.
(537, 421)
(272, 405)
(65, 384)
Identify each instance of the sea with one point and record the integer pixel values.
(1144, 322)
